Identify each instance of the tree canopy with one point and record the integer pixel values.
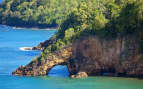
(105, 18)
(35, 12)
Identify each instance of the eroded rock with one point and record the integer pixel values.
(41, 67)
(114, 57)
(80, 75)
(45, 44)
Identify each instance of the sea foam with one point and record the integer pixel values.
(25, 48)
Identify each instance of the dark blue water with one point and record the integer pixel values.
(11, 57)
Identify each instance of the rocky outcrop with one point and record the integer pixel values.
(80, 75)
(112, 57)
(40, 66)
(45, 44)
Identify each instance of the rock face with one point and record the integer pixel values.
(116, 57)
(40, 67)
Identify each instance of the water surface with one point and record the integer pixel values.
(11, 57)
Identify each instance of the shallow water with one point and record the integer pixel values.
(11, 57)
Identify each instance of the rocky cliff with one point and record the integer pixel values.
(114, 57)
(93, 56)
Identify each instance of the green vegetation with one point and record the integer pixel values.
(76, 18)
(111, 19)
(40, 13)
(105, 18)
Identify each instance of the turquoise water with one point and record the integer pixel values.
(11, 57)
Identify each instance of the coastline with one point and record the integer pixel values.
(30, 27)
(34, 28)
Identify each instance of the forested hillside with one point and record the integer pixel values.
(35, 13)
(105, 18)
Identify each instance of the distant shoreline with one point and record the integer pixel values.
(34, 28)
(31, 27)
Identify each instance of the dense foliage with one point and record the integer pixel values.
(106, 18)
(111, 18)
(35, 12)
